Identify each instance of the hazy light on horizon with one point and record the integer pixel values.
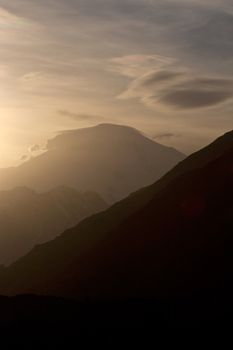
(164, 67)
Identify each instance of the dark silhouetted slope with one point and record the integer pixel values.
(57, 319)
(111, 160)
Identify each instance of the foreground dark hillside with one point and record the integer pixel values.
(86, 314)
(172, 239)
(44, 317)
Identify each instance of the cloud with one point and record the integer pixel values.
(24, 158)
(160, 77)
(135, 65)
(188, 99)
(78, 116)
(179, 89)
(31, 76)
(166, 135)
(35, 148)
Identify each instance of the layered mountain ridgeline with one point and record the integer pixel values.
(111, 160)
(28, 218)
(171, 238)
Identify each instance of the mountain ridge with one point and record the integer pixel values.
(113, 161)
(28, 218)
(79, 253)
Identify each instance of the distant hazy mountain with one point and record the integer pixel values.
(171, 238)
(111, 160)
(28, 218)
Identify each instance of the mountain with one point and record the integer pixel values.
(172, 238)
(111, 160)
(28, 218)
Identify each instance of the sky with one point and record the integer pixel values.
(162, 66)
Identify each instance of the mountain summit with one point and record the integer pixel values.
(111, 160)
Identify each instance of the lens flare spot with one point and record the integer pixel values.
(194, 206)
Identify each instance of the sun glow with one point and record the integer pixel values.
(58, 56)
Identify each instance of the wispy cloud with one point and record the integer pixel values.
(24, 158)
(133, 66)
(79, 116)
(179, 89)
(35, 148)
(166, 135)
